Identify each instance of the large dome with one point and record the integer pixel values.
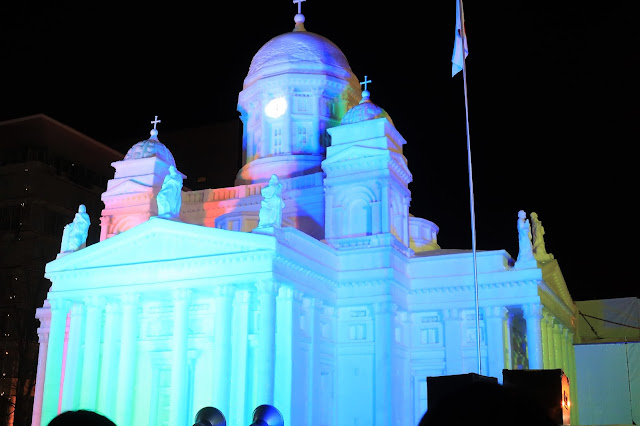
(298, 51)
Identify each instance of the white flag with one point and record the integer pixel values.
(460, 41)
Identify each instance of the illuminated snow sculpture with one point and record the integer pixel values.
(539, 249)
(272, 204)
(74, 235)
(335, 318)
(525, 251)
(169, 198)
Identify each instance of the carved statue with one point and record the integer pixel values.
(170, 196)
(272, 204)
(525, 252)
(74, 235)
(539, 250)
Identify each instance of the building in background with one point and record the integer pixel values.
(46, 170)
(334, 305)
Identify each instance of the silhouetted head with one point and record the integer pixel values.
(81, 418)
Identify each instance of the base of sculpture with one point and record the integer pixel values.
(266, 230)
(525, 264)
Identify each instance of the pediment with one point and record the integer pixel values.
(355, 152)
(160, 240)
(127, 187)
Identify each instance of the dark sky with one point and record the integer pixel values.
(551, 99)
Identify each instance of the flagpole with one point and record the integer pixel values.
(471, 200)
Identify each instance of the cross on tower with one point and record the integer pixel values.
(362, 82)
(156, 121)
(299, 3)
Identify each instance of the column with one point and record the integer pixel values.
(545, 340)
(452, 341)
(284, 352)
(508, 352)
(91, 363)
(309, 306)
(382, 359)
(179, 366)
(109, 363)
(53, 370)
(264, 359)
(127, 361)
(573, 381)
(551, 351)
(44, 316)
(564, 336)
(557, 345)
(221, 379)
(73, 364)
(494, 316)
(533, 315)
(237, 405)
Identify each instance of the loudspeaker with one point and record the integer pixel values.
(548, 389)
(441, 386)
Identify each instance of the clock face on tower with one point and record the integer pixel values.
(276, 107)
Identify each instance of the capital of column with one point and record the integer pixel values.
(495, 312)
(224, 291)
(94, 301)
(129, 299)
(532, 311)
(382, 307)
(285, 293)
(267, 286)
(43, 336)
(451, 314)
(59, 304)
(181, 295)
(242, 297)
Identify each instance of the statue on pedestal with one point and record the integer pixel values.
(74, 235)
(539, 250)
(169, 198)
(272, 204)
(525, 252)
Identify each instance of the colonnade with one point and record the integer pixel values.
(90, 350)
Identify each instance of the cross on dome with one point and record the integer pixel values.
(154, 131)
(365, 92)
(299, 3)
(299, 18)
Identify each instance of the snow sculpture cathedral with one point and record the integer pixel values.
(336, 317)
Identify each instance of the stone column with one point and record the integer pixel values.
(284, 351)
(494, 317)
(179, 366)
(549, 342)
(73, 364)
(557, 345)
(533, 315)
(237, 410)
(222, 348)
(265, 358)
(565, 350)
(382, 366)
(508, 351)
(452, 341)
(44, 316)
(109, 363)
(573, 380)
(91, 364)
(53, 370)
(127, 362)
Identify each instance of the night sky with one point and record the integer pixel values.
(551, 99)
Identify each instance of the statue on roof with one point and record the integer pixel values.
(525, 251)
(169, 198)
(74, 235)
(271, 207)
(539, 249)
